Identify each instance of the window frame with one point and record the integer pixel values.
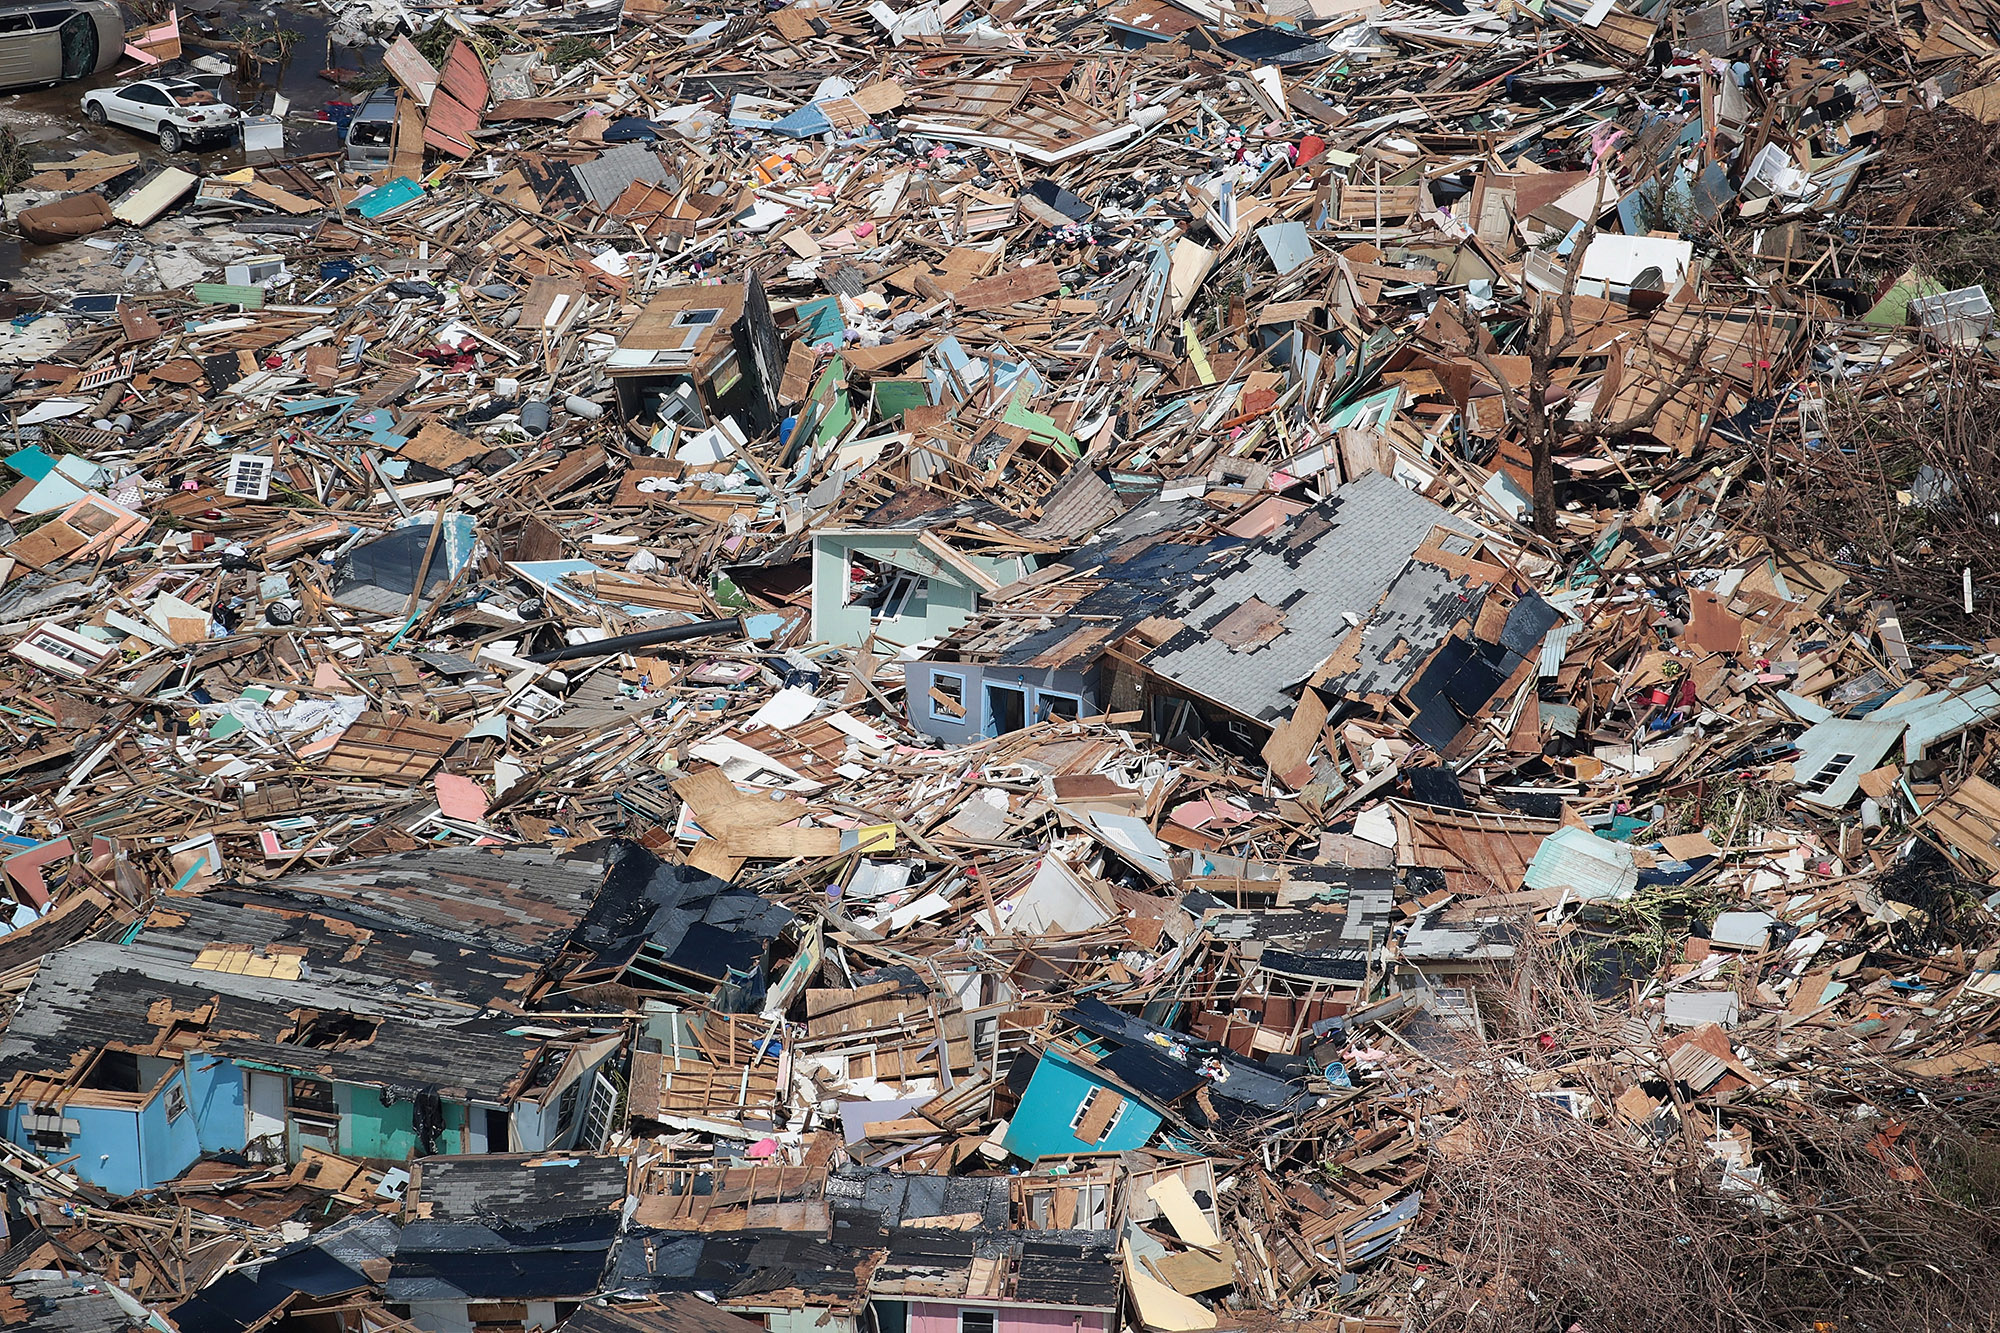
(902, 587)
(568, 1102)
(1065, 696)
(1832, 771)
(1083, 1110)
(938, 712)
(991, 1322)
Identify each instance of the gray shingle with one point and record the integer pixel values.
(1335, 558)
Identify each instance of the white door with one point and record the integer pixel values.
(264, 1117)
(141, 108)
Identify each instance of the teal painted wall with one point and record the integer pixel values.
(1040, 1125)
(370, 1129)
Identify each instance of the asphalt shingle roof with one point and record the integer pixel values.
(1331, 560)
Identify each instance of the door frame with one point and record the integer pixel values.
(988, 724)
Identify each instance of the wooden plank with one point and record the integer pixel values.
(382, 745)
(1021, 284)
(1096, 1122)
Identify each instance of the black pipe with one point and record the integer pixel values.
(700, 629)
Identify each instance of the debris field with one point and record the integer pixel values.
(929, 667)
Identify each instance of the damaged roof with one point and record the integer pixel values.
(1274, 609)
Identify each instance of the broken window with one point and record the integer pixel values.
(887, 592)
(566, 1107)
(177, 1102)
(313, 1097)
(977, 1321)
(548, 1067)
(1830, 774)
(948, 696)
(901, 593)
(1053, 707)
(1097, 1116)
(49, 1130)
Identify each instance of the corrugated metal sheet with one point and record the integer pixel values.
(247, 295)
(1555, 648)
(448, 125)
(1693, 1009)
(1588, 866)
(464, 78)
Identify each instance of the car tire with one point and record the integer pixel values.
(170, 139)
(95, 113)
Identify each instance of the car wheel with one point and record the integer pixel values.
(96, 113)
(170, 139)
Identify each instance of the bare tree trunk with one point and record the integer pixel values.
(1542, 462)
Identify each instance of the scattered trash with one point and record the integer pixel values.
(865, 665)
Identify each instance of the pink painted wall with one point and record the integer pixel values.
(940, 1318)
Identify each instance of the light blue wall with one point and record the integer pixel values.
(168, 1147)
(951, 601)
(215, 1093)
(106, 1148)
(1040, 1126)
(120, 1149)
(1080, 685)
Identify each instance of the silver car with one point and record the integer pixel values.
(371, 135)
(51, 42)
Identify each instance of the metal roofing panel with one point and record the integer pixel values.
(1693, 1009)
(1588, 866)
(1555, 647)
(448, 125)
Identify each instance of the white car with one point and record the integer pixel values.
(180, 113)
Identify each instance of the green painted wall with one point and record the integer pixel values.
(950, 601)
(370, 1129)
